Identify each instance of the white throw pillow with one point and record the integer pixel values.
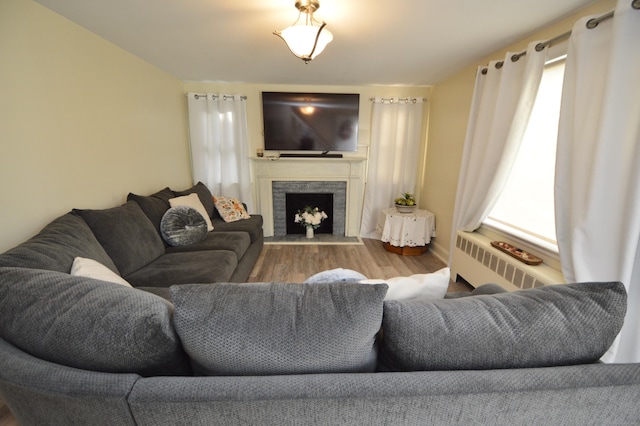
(430, 286)
(90, 268)
(192, 200)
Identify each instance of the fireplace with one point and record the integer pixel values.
(328, 196)
(343, 177)
(297, 201)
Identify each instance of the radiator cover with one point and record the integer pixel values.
(477, 262)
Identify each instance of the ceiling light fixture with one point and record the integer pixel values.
(306, 38)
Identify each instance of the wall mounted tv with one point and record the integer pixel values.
(310, 121)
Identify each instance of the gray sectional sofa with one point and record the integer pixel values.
(185, 345)
(128, 240)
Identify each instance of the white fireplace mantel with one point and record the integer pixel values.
(347, 169)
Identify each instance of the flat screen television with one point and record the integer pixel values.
(310, 121)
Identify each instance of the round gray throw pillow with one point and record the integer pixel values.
(183, 225)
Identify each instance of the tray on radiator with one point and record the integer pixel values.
(519, 254)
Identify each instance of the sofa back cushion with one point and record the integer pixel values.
(265, 329)
(89, 324)
(154, 205)
(205, 196)
(126, 234)
(56, 246)
(547, 326)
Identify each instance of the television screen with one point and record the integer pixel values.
(310, 121)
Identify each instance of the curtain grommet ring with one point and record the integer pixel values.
(592, 23)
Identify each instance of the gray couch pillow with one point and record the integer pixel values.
(126, 234)
(547, 326)
(154, 205)
(183, 226)
(204, 195)
(57, 245)
(276, 328)
(89, 324)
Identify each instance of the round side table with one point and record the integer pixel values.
(408, 233)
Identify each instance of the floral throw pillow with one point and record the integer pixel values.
(230, 209)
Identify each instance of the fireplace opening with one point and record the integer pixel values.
(336, 189)
(298, 201)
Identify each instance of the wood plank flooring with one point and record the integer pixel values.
(295, 263)
(6, 418)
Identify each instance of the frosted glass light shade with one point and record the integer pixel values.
(300, 38)
(306, 38)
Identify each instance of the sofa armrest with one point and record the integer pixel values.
(41, 392)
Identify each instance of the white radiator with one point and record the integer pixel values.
(477, 262)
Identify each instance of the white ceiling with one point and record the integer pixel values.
(409, 42)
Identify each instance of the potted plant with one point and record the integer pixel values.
(406, 203)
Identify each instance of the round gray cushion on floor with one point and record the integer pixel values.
(182, 226)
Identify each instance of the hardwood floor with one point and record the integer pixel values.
(6, 418)
(295, 263)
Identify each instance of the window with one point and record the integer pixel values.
(526, 206)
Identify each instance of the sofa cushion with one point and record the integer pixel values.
(276, 328)
(186, 267)
(237, 242)
(204, 195)
(154, 205)
(431, 286)
(89, 268)
(89, 324)
(183, 226)
(230, 209)
(126, 234)
(192, 201)
(252, 226)
(57, 245)
(547, 326)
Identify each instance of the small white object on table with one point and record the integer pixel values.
(408, 233)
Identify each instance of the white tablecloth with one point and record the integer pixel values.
(408, 229)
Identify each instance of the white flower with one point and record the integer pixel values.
(310, 216)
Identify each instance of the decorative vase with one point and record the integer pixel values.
(309, 231)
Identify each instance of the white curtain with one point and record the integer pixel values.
(220, 145)
(502, 102)
(597, 190)
(396, 129)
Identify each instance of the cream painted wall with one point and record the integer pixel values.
(254, 107)
(82, 122)
(450, 104)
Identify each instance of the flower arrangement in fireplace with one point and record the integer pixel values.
(310, 216)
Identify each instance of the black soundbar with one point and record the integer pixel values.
(310, 155)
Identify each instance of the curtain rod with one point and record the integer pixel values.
(224, 97)
(392, 100)
(591, 24)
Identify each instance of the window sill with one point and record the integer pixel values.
(547, 251)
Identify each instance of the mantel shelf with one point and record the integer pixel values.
(315, 159)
